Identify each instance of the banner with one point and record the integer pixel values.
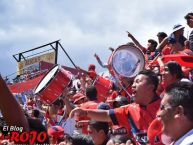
(32, 64)
(25, 85)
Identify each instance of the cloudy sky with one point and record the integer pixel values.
(85, 27)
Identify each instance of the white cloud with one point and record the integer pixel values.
(84, 27)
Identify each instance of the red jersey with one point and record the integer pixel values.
(136, 118)
(87, 105)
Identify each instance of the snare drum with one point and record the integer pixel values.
(104, 87)
(53, 84)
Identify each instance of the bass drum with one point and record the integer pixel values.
(126, 61)
(53, 84)
(104, 88)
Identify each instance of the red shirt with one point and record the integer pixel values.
(141, 116)
(87, 105)
(166, 50)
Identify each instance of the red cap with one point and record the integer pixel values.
(78, 96)
(56, 131)
(92, 74)
(91, 67)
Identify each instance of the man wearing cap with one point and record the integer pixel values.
(136, 116)
(189, 19)
(176, 40)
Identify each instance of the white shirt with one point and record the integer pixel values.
(69, 126)
(187, 139)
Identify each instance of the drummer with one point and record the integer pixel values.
(52, 112)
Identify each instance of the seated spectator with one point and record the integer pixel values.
(176, 113)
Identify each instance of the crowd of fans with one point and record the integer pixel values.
(155, 107)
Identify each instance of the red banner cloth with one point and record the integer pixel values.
(25, 85)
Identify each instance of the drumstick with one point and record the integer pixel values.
(117, 78)
(153, 60)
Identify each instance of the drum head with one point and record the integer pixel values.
(127, 61)
(46, 79)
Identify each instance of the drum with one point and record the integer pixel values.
(126, 61)
(104, 87)
(53, 84)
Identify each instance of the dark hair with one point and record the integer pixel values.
(187, 16)
(80, 139)
(120, 139)
(175, 68)
(181, 93)
(91, 93)
(153, 78)
(35, 113)
(162, 34)
(154, 43)
(36, 125)
(97, 125)
(67, 138)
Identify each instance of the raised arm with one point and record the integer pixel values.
(136, 41)
(10, 108)
(104, 65)
(162, 44)
(98, 115)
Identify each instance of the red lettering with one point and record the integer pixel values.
(14, 136)
(41, 136)
(33, 135)
(2, 137)
(7, 137)
(24, 137)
